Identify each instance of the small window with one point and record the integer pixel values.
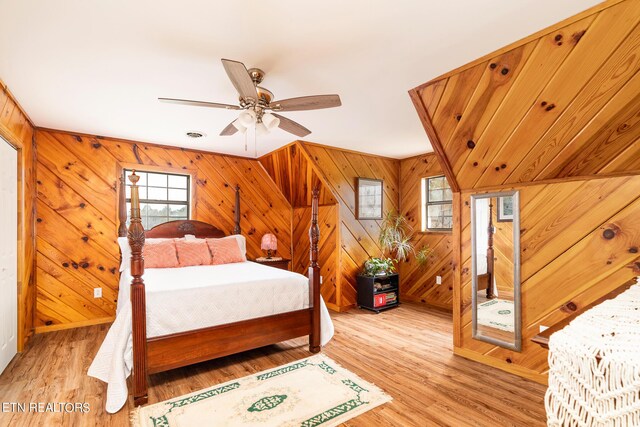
(163, 197)
(437, 204)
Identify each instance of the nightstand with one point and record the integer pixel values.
(281, 263)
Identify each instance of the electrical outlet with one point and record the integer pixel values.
(97, 292)
(543, 328)
(321, 280)
(438, 280)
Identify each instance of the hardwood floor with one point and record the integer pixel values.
(406, 351)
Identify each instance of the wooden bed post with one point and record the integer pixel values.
(138, 304)
(314, 276)
(490, 254)
(236, 229)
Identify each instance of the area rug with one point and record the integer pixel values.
(311, 392)
(497, 313)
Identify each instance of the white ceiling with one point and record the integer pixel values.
(97, 67)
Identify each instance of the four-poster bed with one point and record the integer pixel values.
(160, 353)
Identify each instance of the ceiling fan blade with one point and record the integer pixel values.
(240, 78)
(291, 126)
(229, 130)
(199, 103)
(315, 102)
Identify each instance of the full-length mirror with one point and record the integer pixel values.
(495, 269)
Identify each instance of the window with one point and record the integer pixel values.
(163, 197)
(437, 202)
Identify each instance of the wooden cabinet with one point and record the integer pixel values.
(282, 263)
(378, 293)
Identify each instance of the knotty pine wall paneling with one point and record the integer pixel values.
(339, 169)
(77, 215)
(296, 177)
(17, 129)
(300, 166)
(567, 259)
(554, 116)
(418, 283)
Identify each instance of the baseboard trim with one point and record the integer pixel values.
(60, 327)
(337, 308)
(418, 300)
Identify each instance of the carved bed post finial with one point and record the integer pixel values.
(237, 229)
(314, 231)
(314, 275)
(138, 303)
(122, 207)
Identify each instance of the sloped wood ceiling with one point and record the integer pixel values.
(17, 129)
(562, 103)
(77, 215)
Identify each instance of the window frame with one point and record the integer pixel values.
(426, 203)
(126, 169)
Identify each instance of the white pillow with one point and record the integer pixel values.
(242, 242)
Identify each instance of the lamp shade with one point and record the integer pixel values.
(269, 242)
(247, 118)
(270, 121)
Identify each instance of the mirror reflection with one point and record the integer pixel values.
(496, 269)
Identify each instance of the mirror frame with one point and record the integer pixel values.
(517, 296)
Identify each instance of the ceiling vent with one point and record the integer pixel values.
(195, 134)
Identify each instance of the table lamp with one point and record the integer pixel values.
(269, 243)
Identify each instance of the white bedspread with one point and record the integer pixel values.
(182, 299)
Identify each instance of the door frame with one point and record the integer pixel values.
(23, 234)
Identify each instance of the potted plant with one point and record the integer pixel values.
(396, 245)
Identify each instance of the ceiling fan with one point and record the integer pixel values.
(257, 103)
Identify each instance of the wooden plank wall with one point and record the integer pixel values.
(358, 238)
(419, 283)
(17, 129)
(299, 166)
(77, 216)
(328, 249)
(296, 177)
(554, 116)
(566, 259)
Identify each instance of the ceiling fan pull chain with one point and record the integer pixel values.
(245, 141)
(255, 145)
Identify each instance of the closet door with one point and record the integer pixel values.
(8, 253)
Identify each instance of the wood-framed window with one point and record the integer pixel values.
(437, 204)
(164, 196)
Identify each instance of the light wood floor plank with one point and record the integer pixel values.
(406, 351)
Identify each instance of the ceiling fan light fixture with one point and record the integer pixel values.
(261, 129)
(270, 121)
(247, 118)
(237, 123)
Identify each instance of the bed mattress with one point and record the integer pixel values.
(188, 298)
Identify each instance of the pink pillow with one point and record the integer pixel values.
(224, 251)
(160, 254)
(193, 252)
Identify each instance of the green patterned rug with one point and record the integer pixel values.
(311, 392)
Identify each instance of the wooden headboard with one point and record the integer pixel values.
(178, 228)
